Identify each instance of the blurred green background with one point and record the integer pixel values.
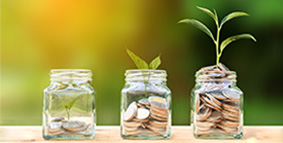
(40, 35)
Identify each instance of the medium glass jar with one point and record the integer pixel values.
(145, 105)
(69, 105)
(217, 105)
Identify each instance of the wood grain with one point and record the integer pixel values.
(111, 134)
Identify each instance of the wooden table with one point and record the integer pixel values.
(109, 134)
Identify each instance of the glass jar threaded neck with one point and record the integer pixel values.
(145, 74)
(218, 77)
(70, 74)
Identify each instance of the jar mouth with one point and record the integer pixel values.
(145, 74)
(220, 76)
(70, 74)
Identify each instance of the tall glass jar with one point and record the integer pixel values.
(217, 105)
(69, 105)
(145, 105)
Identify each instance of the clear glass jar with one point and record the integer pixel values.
(217, 106)
(145, 105)
(69, 105)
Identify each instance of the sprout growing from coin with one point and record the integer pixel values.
(219, 47)
(69, 106)
(142, 64)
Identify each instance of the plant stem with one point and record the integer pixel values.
(68, 113)
(217, 47)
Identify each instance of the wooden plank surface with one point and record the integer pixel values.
(109, 134)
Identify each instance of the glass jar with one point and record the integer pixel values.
(217, 105)
(145, 105)
(69, 105)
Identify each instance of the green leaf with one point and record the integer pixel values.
(198, 25)
(231, 16)
(207, 11)
(140, 63)
(64, 104)
(227, 41)
(155, 63)
(70, 105)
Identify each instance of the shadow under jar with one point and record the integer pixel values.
(69, 105)
(145, 105)
(217, 105)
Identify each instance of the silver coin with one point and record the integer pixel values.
(84, 127)
(72, 125)
(142, 114)
(54, 126)
(58, 119)
(131, 112)
(232, 94)
(144, 101)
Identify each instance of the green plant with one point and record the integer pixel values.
(69, 106)
(141, 64)
(226, 42)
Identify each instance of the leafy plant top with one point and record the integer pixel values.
(141, 64)
(69, 106)
(219, 47)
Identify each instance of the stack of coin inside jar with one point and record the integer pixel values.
(217, 104)
(60, 126)
(148, 116)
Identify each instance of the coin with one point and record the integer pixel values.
(230, 105)
(214, 99)
(158, 103)
(227, 129)
(131, 112)
(80, 129)
(54, 126)
(140, 120)
(204, 114)
(218, 95)
(59, 132)
(197, 101)
(72, 125)
(58, 119)
(132, 124)
(232, 94)
(157, 123)
(155, 129)
(144, 101)
(214, 117)
(204, 124)
(156, 117)
(128, 129)
(142, 114)
(212, 104)
(231, 118)
(160, 113)
(230, 124)
(203, 128)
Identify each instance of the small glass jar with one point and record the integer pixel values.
(69, 105)
(145, 105)
(217, 106)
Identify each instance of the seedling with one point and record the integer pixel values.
(69, 106)
(226, 42)
(141, 64)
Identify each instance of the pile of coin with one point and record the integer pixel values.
(217, 103)
(148, 116)
(60, 126)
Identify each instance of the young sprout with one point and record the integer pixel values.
(219, 47)
(69, 106)
(141, 64)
